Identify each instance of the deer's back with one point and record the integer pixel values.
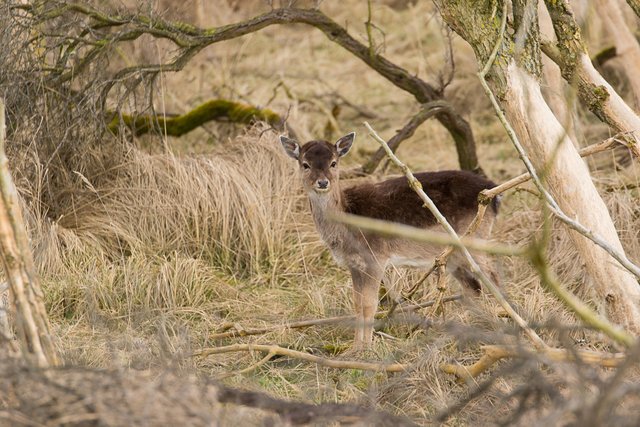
(455, 193)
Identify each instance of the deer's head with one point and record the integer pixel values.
(318, 161)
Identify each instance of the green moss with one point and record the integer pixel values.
(596, 97)
(218, 109)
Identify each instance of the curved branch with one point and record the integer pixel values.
(192, 39)
(495, 353)
(325, 321)
(426, 112)
(216, 109)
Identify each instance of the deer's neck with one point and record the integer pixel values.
(322, 205)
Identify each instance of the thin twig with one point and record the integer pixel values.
(322, 361)
(325, 321)
(249, 368)
(394, 229)
(607, 144)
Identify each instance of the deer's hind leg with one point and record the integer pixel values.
(366, 283)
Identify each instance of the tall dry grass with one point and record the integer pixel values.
(153, 230)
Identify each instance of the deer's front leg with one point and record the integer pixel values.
(366, 283)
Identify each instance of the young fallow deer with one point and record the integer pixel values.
(455, 193)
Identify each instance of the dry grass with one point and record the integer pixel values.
(150, 251)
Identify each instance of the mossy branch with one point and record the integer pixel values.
(217, 109)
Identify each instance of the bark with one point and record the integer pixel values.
(554, 92)
(514, 79)
(627, 47)
(31, 321)
(635, 5)
(594, 91)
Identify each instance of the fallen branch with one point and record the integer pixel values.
(326, 321)
(322, 361)
(217, 109)
(300, 413)
(494, 353)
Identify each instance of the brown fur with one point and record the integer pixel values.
(455, 193)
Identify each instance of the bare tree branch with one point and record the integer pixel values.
(427, 111)
(191, 40)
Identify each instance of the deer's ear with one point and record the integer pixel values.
(343, 145)
(291, 147)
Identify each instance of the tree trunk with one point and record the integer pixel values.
(627, 47)
(554, 92)
(514, 80)
(31, 321)
(594, 91)
(635, 5)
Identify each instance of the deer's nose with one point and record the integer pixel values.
(323, 183)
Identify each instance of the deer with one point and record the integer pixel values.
(366, 255)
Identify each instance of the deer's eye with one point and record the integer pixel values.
(334, 164)
(306, 166)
